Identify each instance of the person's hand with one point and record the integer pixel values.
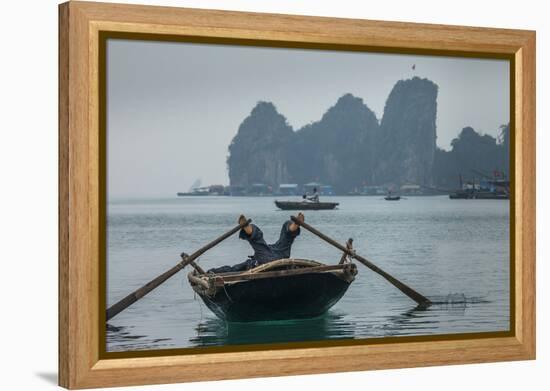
(243, 222)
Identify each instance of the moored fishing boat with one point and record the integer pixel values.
(305, 205)
(282, 289)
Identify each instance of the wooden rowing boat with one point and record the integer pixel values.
(282, 289)
(392, 198)
(304, 205)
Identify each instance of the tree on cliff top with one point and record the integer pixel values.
(472, 153)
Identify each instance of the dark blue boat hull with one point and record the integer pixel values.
(292, 297)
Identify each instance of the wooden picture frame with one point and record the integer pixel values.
(81, 164)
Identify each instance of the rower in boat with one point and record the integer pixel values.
(314, 197)
(275, 288)
(263, 252)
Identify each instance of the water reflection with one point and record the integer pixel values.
(214, 331)
(414, 321)
(418, 320)
(122, 338)
(422, 320)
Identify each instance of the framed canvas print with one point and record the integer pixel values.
(247, 195)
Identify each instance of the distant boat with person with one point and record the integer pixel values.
(305, 205)
(308, 202)
(392, 197)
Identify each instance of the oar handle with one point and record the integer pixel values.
(420, 299)
(127, 301)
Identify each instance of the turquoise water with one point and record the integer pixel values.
(455, 252)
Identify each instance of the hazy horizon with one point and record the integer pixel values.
(173, 108)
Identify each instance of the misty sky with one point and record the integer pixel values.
(173, 108)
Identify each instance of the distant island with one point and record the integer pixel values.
(350, 149)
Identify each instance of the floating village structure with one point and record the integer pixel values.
(488, 187)
(260, 189)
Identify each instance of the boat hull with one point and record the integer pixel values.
(392, 198)
(291, 205)
(304, 295)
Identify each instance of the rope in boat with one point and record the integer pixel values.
(198, 301)
(225, 290)
(200, 307)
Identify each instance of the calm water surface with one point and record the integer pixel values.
(455, 252)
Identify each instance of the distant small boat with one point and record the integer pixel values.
(461, 195)
(195, 193)
(282, 289)
(390, 197)
(304, 205)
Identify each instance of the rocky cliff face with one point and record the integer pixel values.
(338, 149)
(258, 152)
(348, 148)
(407, 140)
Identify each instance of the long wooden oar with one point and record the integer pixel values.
(138, 294)
(421, 300)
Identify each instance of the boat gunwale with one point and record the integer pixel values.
(207, 281)
(333, 269)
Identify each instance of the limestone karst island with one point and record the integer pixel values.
(351, 152)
